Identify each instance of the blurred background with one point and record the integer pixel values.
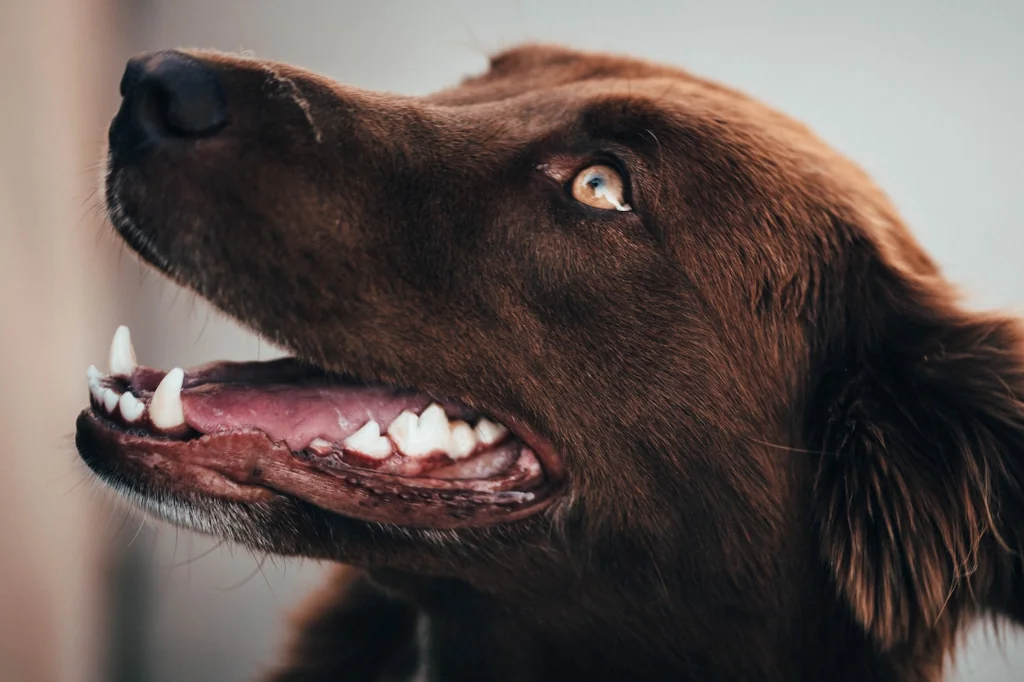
(926, 95)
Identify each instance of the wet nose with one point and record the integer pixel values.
(172, 94)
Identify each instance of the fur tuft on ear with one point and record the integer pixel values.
(918, 492)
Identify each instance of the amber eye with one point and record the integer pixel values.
(600, 186)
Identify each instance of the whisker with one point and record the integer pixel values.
(205, 553)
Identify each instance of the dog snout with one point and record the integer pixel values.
(170, 94)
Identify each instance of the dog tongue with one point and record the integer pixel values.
(288, 401)
(295, 414)
(302, 407)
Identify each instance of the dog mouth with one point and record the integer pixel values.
(250, 431)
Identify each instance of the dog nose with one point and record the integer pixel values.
(174, 95)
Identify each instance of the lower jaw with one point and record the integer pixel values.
(247, 466)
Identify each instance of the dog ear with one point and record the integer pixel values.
(919, 492)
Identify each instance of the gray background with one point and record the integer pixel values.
(926, 95)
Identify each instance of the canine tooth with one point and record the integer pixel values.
(131, 407)
(95, 388)
(368, 441)
(110, 399)
(166, 410)
(488, 432)
(122, 355)
(463, 440)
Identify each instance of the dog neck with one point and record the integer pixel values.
(461, 633)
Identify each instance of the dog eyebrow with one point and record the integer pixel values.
(287, 87)
(626, 119)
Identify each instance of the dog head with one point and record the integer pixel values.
(733, 384)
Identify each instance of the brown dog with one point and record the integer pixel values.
(605, 372)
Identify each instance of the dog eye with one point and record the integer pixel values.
(600, 186)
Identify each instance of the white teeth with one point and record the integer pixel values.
(122, 356)
(321, 446)
(95, 388)
(368, 441)
(463, 440)
(131, 407)
(423, 435)
(433, 433)
(166, 410)
(403, 432)
(430, 432)
(110, 399)
(488, 432)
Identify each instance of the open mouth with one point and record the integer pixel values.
(249, 431)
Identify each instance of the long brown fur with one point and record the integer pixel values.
(791, 453)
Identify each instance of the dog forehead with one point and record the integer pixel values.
(533, 57)
(534, 68)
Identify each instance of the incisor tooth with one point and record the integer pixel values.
(131, 407)
(488, 432)
(122, 360)
(110, 399)
(368, 441)
(95, 388)
(166, 410)
(463, 440)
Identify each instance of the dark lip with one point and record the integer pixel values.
(247, 466)
(541, 446)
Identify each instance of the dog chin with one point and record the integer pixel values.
(239, 522)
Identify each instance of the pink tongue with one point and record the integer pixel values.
(296, 414)
(289, 401)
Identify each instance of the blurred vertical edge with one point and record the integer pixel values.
(58, 85)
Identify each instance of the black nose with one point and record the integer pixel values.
(173, 94)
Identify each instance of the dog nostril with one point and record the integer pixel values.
(174, 94)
